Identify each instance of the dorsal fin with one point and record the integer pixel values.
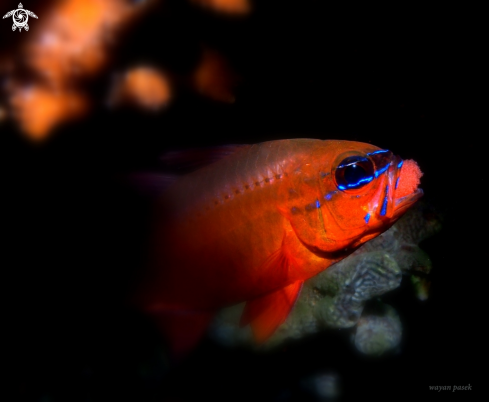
(175, 164)
(195, 158)
(150, 183)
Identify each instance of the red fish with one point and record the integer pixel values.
(256, 224)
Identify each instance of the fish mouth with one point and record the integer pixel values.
(399, 189)
(403, 203)
(404, 179)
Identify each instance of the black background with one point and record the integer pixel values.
(402, 77)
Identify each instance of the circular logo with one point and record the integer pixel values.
(20, 18)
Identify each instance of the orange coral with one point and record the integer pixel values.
(39, 109)
(214, 77)
(145, 87)
(72, 43)
(72, 40)
(69, 45)
(230, 7)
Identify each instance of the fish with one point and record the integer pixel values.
(254, 225)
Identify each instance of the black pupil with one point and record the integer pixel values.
(353, 173)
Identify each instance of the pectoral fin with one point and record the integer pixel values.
(266, 313)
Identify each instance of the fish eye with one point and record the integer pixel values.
(354, 172)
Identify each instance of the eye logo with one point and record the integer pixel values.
(20, 17)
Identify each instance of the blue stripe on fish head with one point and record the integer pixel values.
(386, 200)
(329, 195)
(378, 172)
(367, 218)
(380, 151)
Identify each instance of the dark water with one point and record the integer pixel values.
(73, 238)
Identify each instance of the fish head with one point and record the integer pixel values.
(352, 192)
(366, 191)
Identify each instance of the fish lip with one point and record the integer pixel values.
(403, 203)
